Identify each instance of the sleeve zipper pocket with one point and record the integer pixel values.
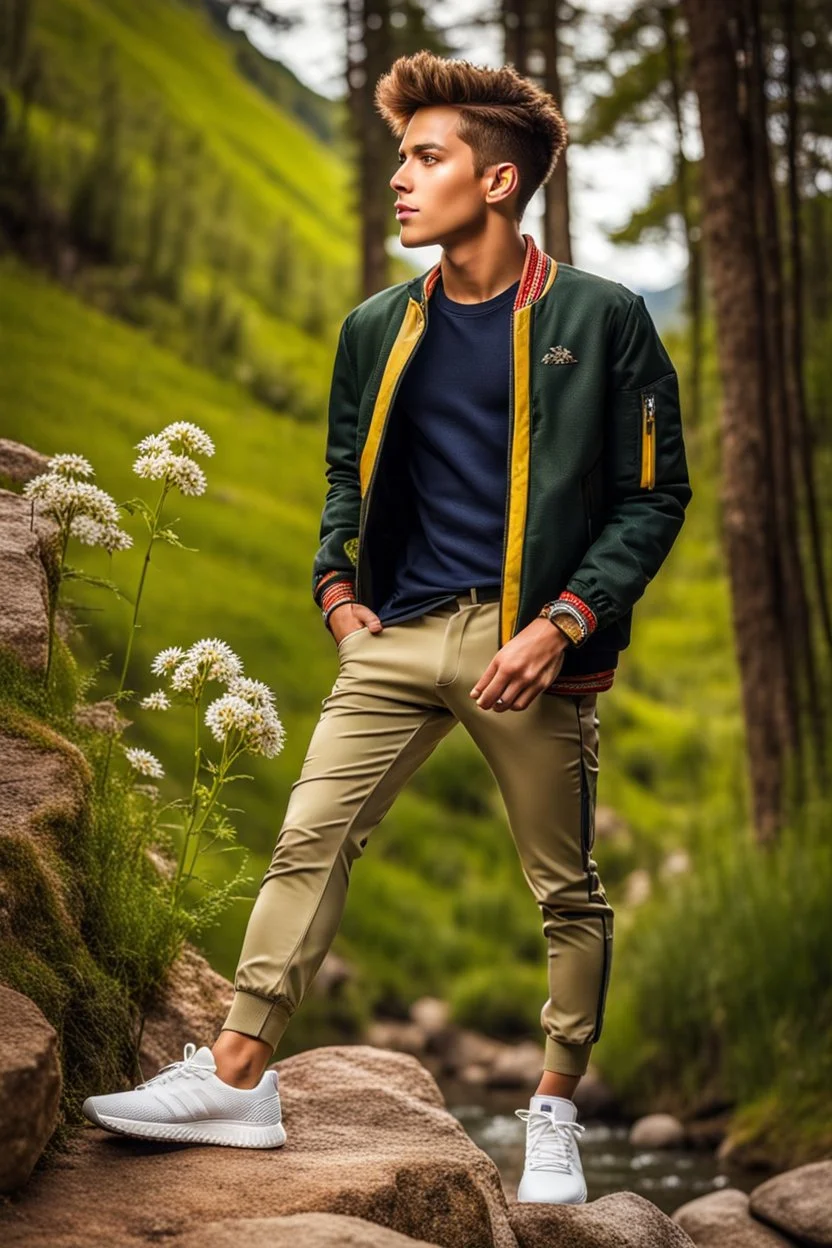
(648, 440)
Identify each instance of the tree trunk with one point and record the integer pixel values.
(556, 237)
(748, 522)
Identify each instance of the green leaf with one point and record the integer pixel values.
(101, 582)
(168, 535)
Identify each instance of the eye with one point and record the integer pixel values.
(425, 156)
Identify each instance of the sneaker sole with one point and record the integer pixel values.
(209, 1131)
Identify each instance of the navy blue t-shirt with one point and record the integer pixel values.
(453, 403)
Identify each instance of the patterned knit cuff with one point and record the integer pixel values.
(334, 596)
(331, 581)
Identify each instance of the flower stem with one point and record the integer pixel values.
(154, 527)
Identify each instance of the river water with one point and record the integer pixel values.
(669, 1177)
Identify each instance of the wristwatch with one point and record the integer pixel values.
(564, 620)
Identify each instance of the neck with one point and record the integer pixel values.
(476, 269)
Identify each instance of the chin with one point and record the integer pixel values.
(413, 238)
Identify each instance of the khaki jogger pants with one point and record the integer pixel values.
(398, 693)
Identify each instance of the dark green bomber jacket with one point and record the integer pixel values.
(597, 474)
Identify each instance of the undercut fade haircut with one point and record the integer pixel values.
(503, 115)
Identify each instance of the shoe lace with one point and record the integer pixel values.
(550, 1142)
(175, 1069)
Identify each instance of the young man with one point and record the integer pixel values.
(506, 474)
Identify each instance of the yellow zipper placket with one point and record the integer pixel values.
(517, 503)
(648, 441)
(518, 472)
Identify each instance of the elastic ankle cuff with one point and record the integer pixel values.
(566, 1059)
(258, 1017)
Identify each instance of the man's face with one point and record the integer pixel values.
(435, 176)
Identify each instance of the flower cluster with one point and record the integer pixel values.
(245, 716)
(81, 508)
(142, 761)
(166, 456)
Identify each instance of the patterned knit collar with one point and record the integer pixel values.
(536, 269)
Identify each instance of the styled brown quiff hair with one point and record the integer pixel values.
(503, 115)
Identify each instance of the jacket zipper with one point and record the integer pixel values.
(508, 480)
(648, 440)
(365, 502)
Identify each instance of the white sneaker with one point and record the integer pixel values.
(187, 1101)
(553, 1171)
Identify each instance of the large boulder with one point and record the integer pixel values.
(798, 1202)
(722, 1220)
(19, 463)
(30, 1086)
(24, 555)
(620, 1220)
(298, 1230)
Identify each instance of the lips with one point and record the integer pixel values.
(404, 210)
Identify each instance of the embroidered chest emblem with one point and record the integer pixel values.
(559, 355)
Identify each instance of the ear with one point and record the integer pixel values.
(504, 182)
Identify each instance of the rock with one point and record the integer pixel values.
(19, 463)
(368, 1136)
(475, 1074)
(798, 1202)
(722, 1220)
(431, 1014)
(193, 1006)
(594, 1097)
(402, 1037)
(44, 781)
(24, 548)
(517, 1066)
(620, 1220)
(299, 1230)
(463, 1048)
(30, 1086)
(657, 1131)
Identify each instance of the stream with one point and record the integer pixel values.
(669, 1177)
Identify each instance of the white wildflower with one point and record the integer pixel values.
(92, 533)
(153, 444)
(215, 659)
(71, 465)
(145, 763)
(185, 677)
(157, 701)
(64, 498)
(259, 726)
(114, 538)
(266, 734)
(191, 438)
(184, 473)
(154, 465)
(54, 492)
(187, 475)
(229, 713)
(253, 691)
(166, 660)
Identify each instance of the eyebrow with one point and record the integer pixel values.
(424, 147)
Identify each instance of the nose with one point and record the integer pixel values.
(397, 182)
